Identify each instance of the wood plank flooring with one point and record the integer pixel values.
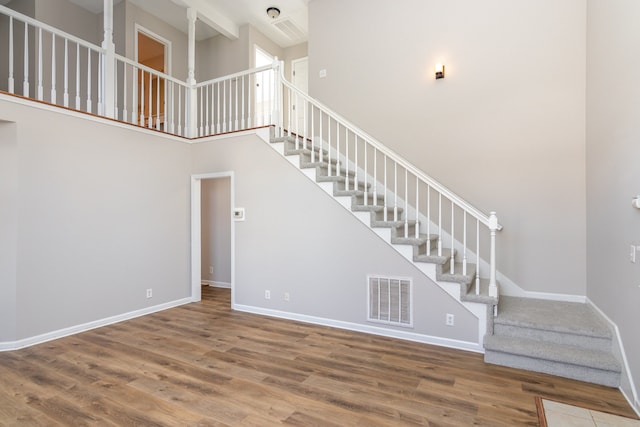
(202, 364)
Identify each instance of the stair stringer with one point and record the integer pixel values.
(482, 311)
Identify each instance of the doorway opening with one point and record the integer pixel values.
(212, 233)
(154, 52)
(263, 98)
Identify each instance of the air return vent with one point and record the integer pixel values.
(290, 29)
(390, 300)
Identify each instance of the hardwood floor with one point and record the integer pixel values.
(202, 364)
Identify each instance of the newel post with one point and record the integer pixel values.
(108, 63)
(192, 104)
(493, 227)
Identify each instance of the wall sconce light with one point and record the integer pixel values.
(439, 71)
(273, 12)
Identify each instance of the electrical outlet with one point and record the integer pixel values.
(632, 254)
(267, 294)
(450, 320)
(287, 297)
(210, 269)
(149, 293)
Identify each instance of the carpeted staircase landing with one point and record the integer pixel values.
(560, 338)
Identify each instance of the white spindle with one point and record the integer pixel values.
(165, 110)
(313, 135)
(224, 106)
(236, 123)
(180, 110)
(115, 94)
(40, 92)
(242, 119)
(78, 100)
(25, 84)
(250, 96)
(453, 240)
(375, 176)
(406, 203)
(355, 161)
(395, 191)
(201, 112)
(338, 171)
(464, 243)
(477, 256)
(417, 228)
(65, 97)
(346, 158)
(429, 219)
(89, 73)
(304, 125)
(439, 224)
(142, 98)
(158, 112)
(320, 153)
(386, 203)
(100, 105)
(125, 112)
(11, 82)
(366, 172)
(218, 108)
(150, 103)
(206, 113)
(134, 95)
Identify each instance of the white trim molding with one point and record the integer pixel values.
(214, 284)
(72, 330)
(627, 385)
(367, 329)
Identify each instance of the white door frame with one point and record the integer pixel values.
(196, 234)
(166, 42)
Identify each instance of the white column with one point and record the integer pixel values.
(192, 105)
(108, 62)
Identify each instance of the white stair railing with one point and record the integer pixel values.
(418, 204)
(49, 63)
(52, 61)
(238, 101)
(149, 98)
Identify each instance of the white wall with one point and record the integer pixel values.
(296, 239)
(216, 230)
(103, 215)
(505, 129)
(613, 169)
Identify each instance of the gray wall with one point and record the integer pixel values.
(8, 229)
(613, 171)
(505, 129)
(296, 239)
(103, 214)
(216, 229)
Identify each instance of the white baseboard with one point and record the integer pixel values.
(368, 329)
(629, 392)
(215, 284)
(49, 336)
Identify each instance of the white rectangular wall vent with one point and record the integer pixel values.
(390, 300)
(290, 29)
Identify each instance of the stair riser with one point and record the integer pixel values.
(584, 341)
(566, 370)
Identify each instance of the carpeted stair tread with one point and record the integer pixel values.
(558, 316)
(563, 353)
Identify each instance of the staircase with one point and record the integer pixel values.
(393, 228)
(559, 338)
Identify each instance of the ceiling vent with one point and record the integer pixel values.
(290, 29)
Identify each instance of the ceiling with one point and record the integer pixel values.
(226, 16)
